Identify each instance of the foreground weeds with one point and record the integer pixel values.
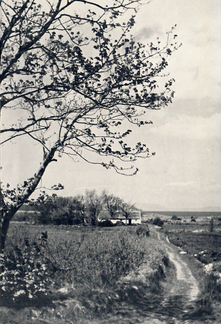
(209, 296)
(99, 275)
(70, 274)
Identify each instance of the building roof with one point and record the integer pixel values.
(104, 214)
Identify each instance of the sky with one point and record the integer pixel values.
(185, 173)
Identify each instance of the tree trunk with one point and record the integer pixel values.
(94, 218)
(7, 212)
(4, 231)
(2, 205)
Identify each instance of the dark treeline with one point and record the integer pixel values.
(80, 209)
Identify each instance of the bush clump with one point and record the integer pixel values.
(25, 275)
(158, 221)
(106, 223)
(143, 230)
(120, 223)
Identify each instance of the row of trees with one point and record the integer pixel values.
(79, 209)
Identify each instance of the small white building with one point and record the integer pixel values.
(134, 217)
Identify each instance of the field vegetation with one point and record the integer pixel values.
(206, 246)
(201, 239)
(86, 274)
(50, 267)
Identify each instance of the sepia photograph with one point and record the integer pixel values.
(110, 162)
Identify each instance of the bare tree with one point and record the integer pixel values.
(78, 80)
(93, 205)
(126, 209)
(111, 203)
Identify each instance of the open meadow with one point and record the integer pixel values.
(66, 274)
(199, 235)
(117, 274)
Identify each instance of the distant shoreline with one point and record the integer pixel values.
(185, 213)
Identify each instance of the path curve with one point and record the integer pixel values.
(183, 274)
(186, 283)
(173, 306)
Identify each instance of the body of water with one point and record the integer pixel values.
(182, 214)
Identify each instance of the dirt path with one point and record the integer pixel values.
(188, 284)
(185, 283)
(172, 306)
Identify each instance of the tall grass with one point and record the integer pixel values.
(210, 293)
(211, 290)
(97, 259)
(84, 261)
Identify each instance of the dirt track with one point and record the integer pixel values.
(176, 305)
(185, 283)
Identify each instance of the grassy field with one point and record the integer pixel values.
(79, 270)
(196, 238)
(79, 274)
(206, 247)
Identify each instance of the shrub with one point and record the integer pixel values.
(211, 290)
(212, 286)
(166, 261)
(211, 223)
(174, 217)
(60, 210)
(155, 280)
(106, 223)
(143, 230)
(157, 221)
(21, 216)
(25, 275)
(120, 223)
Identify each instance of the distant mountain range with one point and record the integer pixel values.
(209, 208)
(155, 207)
(149, 207)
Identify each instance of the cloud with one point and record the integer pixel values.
(198, 107)
(190, 127)
(147, 32)
(181, 184)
